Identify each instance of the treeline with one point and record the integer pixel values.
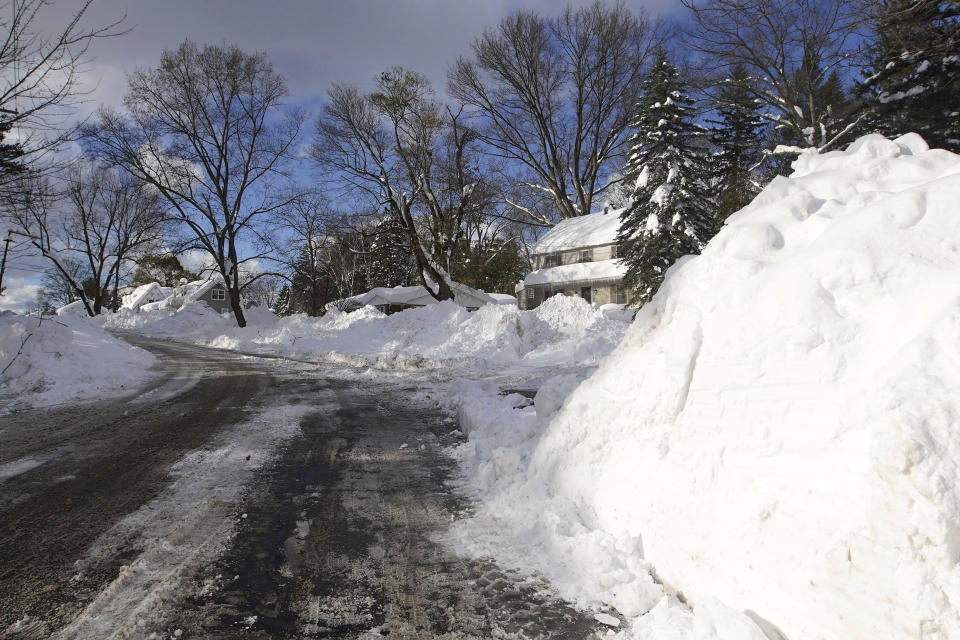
(544, 118)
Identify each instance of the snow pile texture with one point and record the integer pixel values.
(439, 335)
(776, 434)
(48, 361)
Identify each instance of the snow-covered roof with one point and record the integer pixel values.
(579, 271)
(418, 295)
(198, 288)
(503, 298)
(584, 231)
(144, 294)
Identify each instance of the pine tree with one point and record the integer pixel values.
(671, 213)
(390, 262)
(282, 306)
(915, 84)
(10, 154)
(738, 137)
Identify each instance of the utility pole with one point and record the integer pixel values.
(3, 261)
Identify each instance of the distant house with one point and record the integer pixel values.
(212, 292)
(144, 294)
(578, 257)
(393, 299)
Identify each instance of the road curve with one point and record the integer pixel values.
(244, 497)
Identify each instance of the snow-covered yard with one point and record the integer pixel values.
(563, 332)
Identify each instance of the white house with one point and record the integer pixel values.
(578, 257)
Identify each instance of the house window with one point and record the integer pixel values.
(614, 250)
(586, 255)
(531, 295)
(621, 294)
(553, 260)
(585, 293)
(218, 294)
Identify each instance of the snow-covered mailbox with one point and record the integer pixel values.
(578, 257)
(393, 299)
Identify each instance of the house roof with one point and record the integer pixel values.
(201, 287)
(143, 294)
(580, 271)
(503, 298)
(419, 296)
(585, 231)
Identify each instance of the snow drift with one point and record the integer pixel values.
(51, 360)
(780, 425)
(561, 330)
(775, 440)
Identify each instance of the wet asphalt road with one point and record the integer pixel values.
(335, 535)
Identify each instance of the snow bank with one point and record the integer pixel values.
(562, 330)
(53, 360)
(777, 434)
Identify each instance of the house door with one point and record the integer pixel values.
(585, 293)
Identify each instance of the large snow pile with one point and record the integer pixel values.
(52, 360)
(777, 435)
(561, 330)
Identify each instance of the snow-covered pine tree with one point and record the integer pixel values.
(738, 138)
(282, 305)
(915, 84)
(671, 213)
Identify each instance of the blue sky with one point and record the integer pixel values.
(312, 43)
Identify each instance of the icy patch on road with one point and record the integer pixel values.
(15, 468)
(187, 526)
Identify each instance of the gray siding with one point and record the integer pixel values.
(220, 306)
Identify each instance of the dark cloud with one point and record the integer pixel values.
(311, 43)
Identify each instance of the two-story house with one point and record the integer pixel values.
(578, 257)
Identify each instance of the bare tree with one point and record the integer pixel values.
(305, 228)
(206, 128)
(793, 51)
(554, 99)
(109, 219)
(40, 71)
(89, 228)
(409, 155)
(36, 219)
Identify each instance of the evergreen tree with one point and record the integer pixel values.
(671, 212)
(163, 268)
(282, 306)
(10, 154)
(915, 79)
(738, 137)
(390, 262)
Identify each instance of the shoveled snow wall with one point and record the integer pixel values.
(781, 424)
(564, 330)
(45, 361)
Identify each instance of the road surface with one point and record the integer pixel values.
(250, 498)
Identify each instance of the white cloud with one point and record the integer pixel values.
(19, 293)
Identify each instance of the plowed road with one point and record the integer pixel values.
(250, 498)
